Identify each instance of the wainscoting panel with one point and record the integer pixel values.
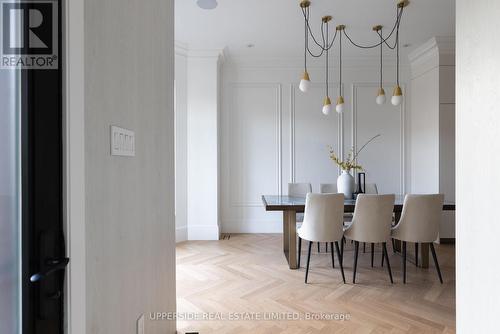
(255, 143)
(383, 159)
(311, 133)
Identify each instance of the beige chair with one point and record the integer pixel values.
(371, 223)
(370, 189)
(323, 222)
(299, 190)
(328, 188)
(419, 223)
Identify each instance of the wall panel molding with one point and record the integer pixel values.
(236, 196)
(402, 129)
(292, 109)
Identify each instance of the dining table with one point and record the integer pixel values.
(290, 206)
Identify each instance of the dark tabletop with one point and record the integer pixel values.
(283, 203)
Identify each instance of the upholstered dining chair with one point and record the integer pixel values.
(323, 222)
(419, 223)
(328, 188)
(371, 223)
(299, 190)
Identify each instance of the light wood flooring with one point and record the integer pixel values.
(248, 276)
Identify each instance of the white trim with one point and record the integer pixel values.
(181, 233)
(438, 51)
(402, 135)
(220, 53)
(203, 232)
(236, 198)
(74, 165)
(340, 129)
(181, 49)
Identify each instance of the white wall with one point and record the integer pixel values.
(272, 134)
(181, 195)
(477, 124)
(432, 119)
(130, 230)
(203, 108)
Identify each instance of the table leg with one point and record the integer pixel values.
(292, 240)
(285, 231)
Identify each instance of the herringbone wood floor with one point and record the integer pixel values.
(248, 273)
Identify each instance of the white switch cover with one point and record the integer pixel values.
(140, 325)
(122, 142)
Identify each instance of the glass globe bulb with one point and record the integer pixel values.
(397, 96)
(304, 85)
(340, 104)
(327, 108)
(340, 108)
(396, 100)
(380, 99)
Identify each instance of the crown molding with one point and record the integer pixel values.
(183, 49)
(348, 62)
(438, 51)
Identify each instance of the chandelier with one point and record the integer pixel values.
(325, 44)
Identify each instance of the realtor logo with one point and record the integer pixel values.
(29, 37)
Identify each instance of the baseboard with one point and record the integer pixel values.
(450, 241)
(203, 232)
(181, 233)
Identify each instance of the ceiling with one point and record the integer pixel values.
(275, 27)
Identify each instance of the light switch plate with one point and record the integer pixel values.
(122, 142)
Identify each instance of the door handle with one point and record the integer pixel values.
(53, 265)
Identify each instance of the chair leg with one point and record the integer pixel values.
(300, 251)
(342, 247)
(436, 263)
(416, 254)
(364, 247)
(373, 251)
(393, 246)
(404, 261)
(326, 247)
(319, 250)
(308, 260)
(356, 249)
(384, 253)
(333, 255)
(382, 264)
(339, 258)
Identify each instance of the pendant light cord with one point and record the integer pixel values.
(326, 60)
(384, 40)
(340, 69)
(381, 55)
(306, 38)
(397, 56)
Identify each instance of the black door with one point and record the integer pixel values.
(43, 244)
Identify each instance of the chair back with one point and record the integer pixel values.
(323, 218)
(372, 218)
(299, 189)
(371, 189)
(420, 218)
(328, 188)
